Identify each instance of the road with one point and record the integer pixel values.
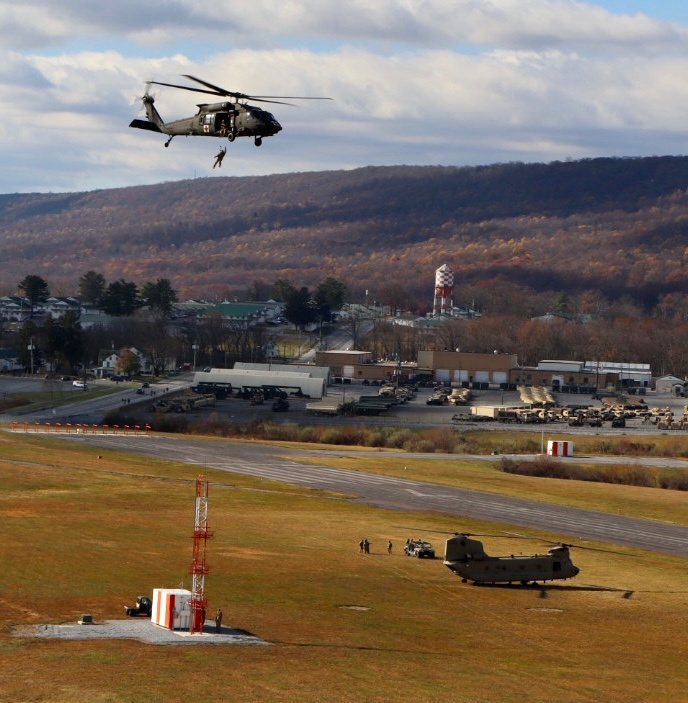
(282, 464)
(89, 410)
(399, 494)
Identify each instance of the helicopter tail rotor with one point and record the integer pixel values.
(149, 97)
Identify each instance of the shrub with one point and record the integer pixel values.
(634, 448)
(674, 482)
(399, 438)
(426, 446)
(625, 474)
(442, 438)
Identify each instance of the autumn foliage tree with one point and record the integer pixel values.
(128, 363)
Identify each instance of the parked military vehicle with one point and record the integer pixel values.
(143, 606)
(183, 404)
(419, 548)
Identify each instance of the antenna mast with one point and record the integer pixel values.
(199, 568)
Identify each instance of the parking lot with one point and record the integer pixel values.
(413, 413)
(417, 413)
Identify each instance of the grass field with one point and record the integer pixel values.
(86, 535)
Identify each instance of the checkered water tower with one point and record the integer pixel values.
(444, 287)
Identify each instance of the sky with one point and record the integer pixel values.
(416, 82)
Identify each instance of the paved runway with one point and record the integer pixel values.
(270, 462)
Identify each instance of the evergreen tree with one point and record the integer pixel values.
(120, 298)
(35, 289)
(329, 297)
(159, 295)
(91, 287)
(300, 308)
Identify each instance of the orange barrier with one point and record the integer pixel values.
(80, 428)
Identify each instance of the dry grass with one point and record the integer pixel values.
(487, 476)
(81, 535)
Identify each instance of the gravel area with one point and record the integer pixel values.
(138, 629)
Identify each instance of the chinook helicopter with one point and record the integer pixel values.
(227, 119)
(467, 558)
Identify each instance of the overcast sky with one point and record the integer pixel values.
(453, 82)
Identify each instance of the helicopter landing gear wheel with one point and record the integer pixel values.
(231, 137)
(259, 141)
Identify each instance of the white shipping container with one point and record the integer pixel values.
(559, 448)
(172, 608)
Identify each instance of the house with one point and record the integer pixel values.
(14, 308)
(108, 364)
(8, 361)
(244, 314)
(57, 306)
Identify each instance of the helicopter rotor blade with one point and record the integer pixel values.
(186, 87)
(274, 102)
(452, 533)
(212, 89)
(215, 88)
(287, 97)
(276, 99)
(592, 549)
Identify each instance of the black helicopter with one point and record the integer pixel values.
(228, 119)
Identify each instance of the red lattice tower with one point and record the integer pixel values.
(199, 568)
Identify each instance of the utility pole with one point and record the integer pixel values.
(31, 347)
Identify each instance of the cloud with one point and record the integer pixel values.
(514, 24)
(414, 81)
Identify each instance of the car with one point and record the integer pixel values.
(145, 384)
(436, 400)
(79, 384)
(66, 378)
(140, 391)
(420, 549)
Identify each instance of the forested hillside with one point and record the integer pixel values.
(589, 233)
